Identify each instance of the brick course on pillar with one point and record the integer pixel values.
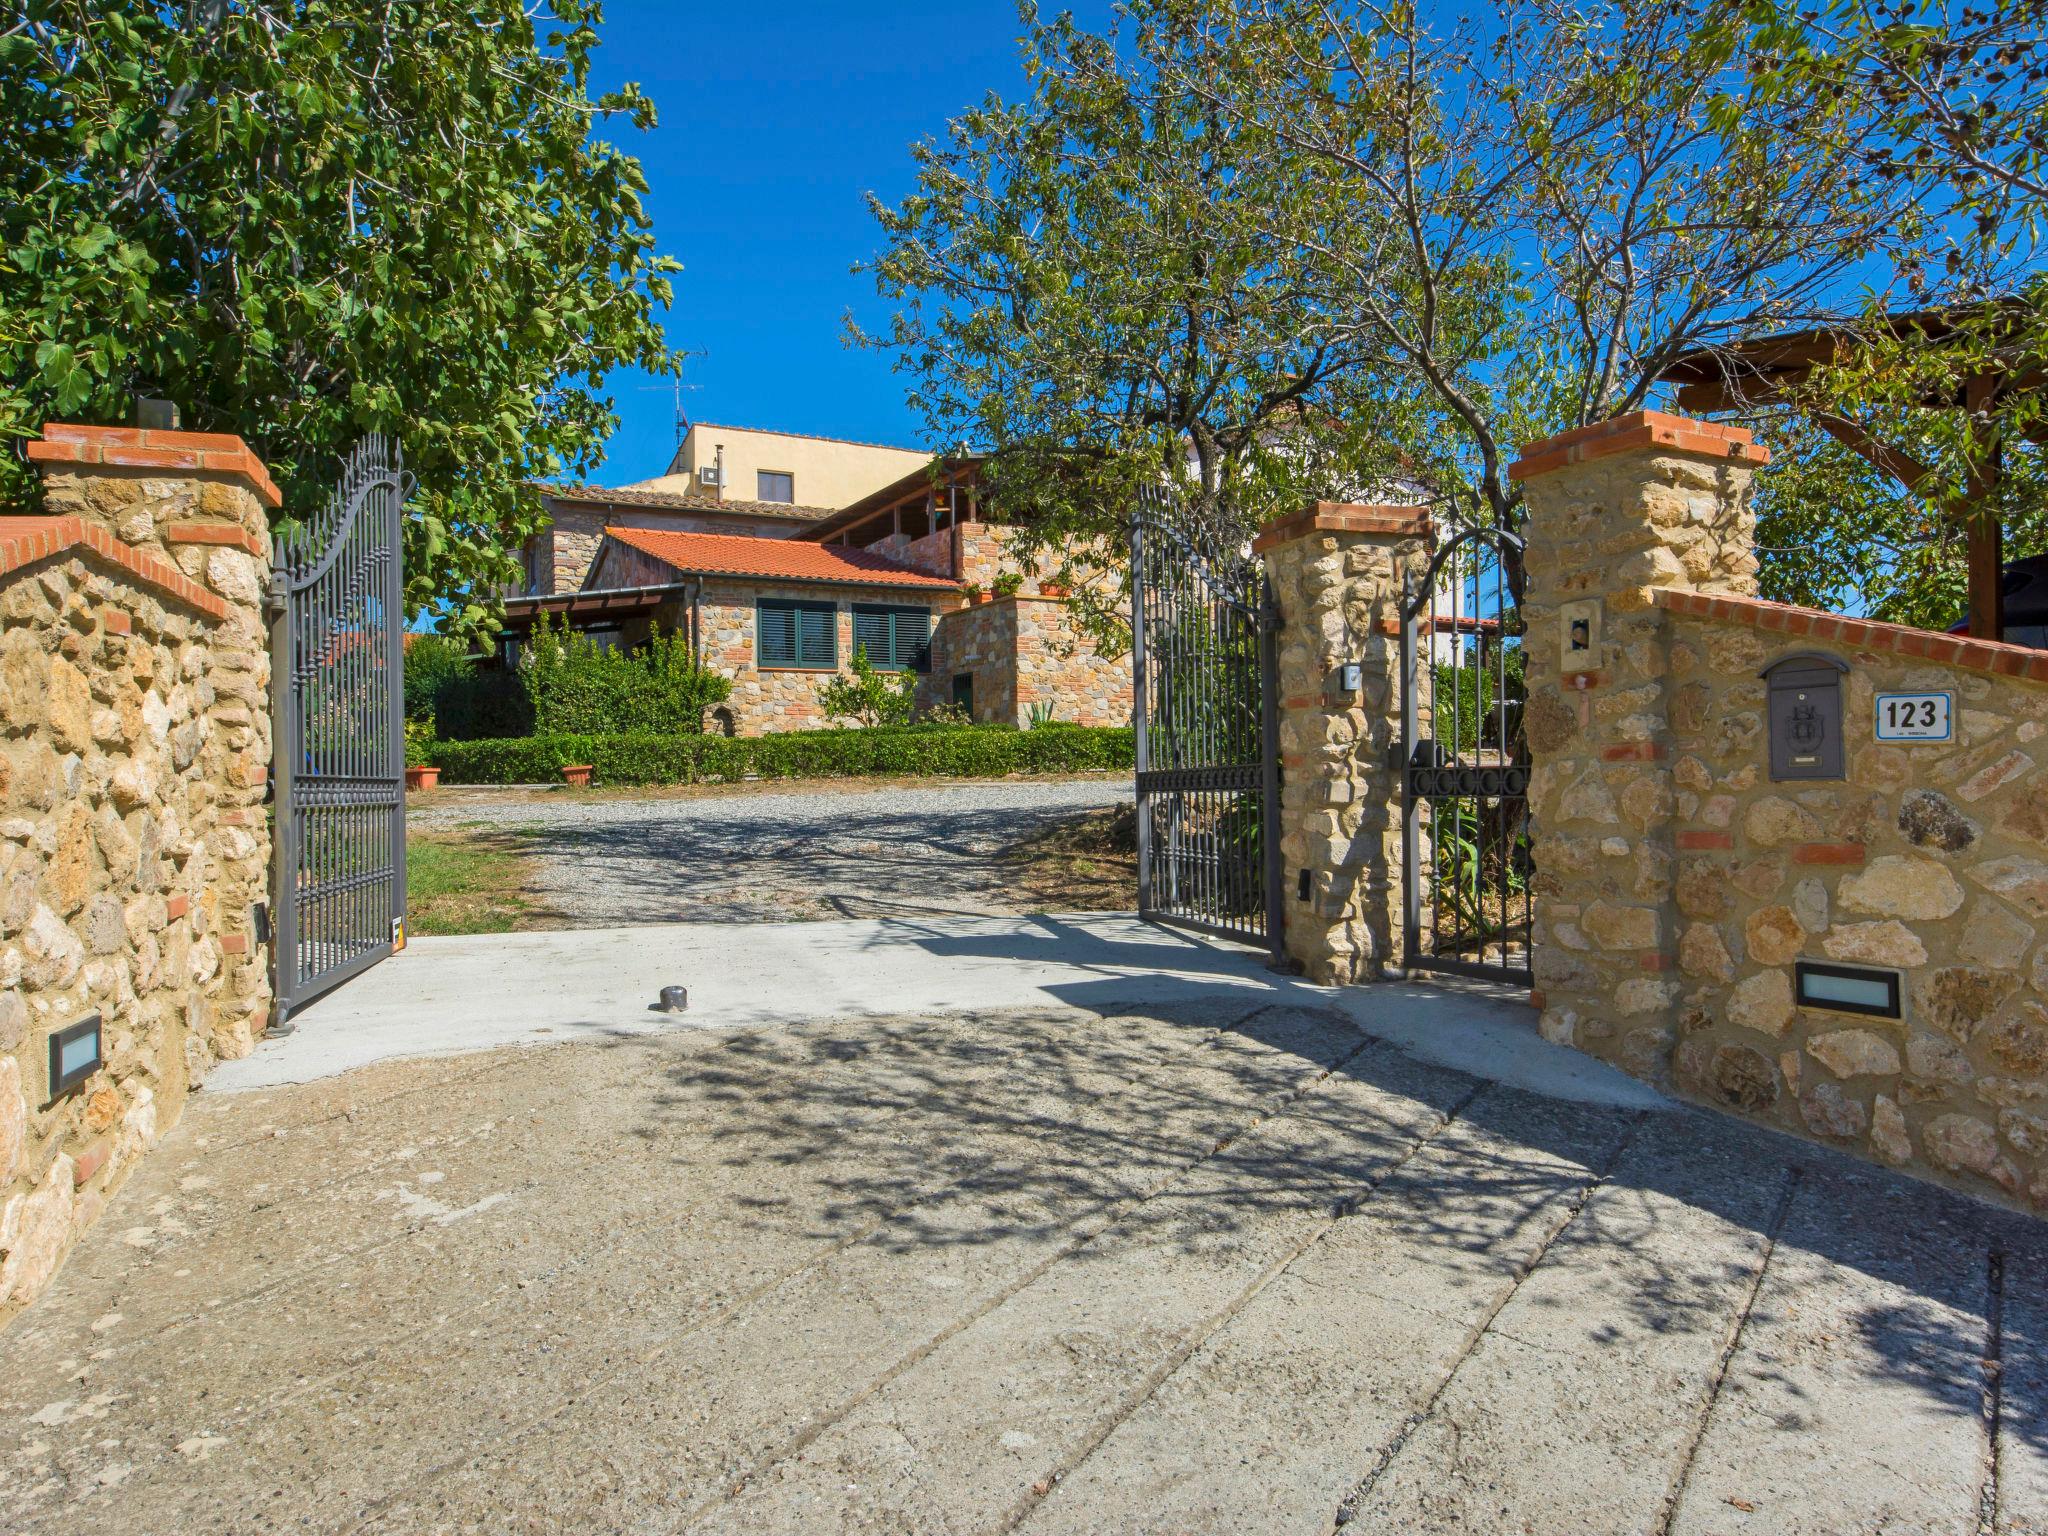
(1616, 511)
(1338, 573)
(134, 749)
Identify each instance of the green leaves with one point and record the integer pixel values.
(1109, 281)
(318, 218)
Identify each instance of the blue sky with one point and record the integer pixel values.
(775, 120)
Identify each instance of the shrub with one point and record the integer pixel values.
(483, 705)
(1469, 707)
(420, 745)
(447, 692)
(577, 685)
(981, 752)
(432, 663)
(872, 698)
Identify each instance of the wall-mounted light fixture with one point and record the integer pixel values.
(1848, 989)
(74, 1054)
(1350, 677)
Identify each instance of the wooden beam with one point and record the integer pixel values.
(1895, 462)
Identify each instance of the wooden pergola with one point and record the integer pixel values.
(1774, 370)
(943, 494)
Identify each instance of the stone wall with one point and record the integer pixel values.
(1678, 885)
(766, 700)
(1023, 653)
(980, 642)
(1337, 574)
(134, 748)
(932, 554)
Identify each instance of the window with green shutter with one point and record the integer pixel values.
(794, 634)
(896, 639)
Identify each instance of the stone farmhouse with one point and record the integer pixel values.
(841, 547)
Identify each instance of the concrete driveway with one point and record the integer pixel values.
(1220, 1262)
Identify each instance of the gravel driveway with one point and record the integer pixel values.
(1221, 1269)
(755, 855)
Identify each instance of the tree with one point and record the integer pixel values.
(305, 220)
(1607, 168)
(1947, 89)
(868, 697)
(1949, 98)
(1110, 282)
(1836, 532)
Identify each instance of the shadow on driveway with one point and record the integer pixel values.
(1944, 1271)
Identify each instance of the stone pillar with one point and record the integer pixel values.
(1338, 573)
(1615, 511)
(199, 501)
(134, 747)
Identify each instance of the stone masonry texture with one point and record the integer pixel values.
(1678, 886)
(1022, 651)
(1338, 574)
(134, 750)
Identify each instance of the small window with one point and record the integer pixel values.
(896, 639)
(963, 693)
(775, 485)
(793, 634)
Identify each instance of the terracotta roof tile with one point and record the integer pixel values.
(718, 554)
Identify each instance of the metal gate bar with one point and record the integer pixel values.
(1468, 901)
(1207, 722)
(337, 660)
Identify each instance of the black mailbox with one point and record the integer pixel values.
(1805, 715)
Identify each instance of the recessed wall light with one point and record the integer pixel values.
(74, 1054)
(1848, 989)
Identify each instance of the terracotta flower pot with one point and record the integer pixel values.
(577, 776)
(1047, 589)
(422, 778)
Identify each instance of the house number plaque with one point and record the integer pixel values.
(1915, 716)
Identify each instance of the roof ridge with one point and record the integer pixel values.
(811, 437)
(730, 554)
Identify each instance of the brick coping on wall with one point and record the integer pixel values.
(1991, 656)
(1632, 433)
(26, 540)
(1345, 517)
(229, 535)
(219, 453)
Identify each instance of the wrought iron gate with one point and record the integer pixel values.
(337, 667)
(1465, 765)
(1202, 638)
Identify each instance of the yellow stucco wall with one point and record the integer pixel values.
(828, 473)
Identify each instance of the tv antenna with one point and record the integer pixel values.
(677, 386)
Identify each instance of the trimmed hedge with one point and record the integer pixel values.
(977, 752)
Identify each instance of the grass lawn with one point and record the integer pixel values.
(467, 883)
